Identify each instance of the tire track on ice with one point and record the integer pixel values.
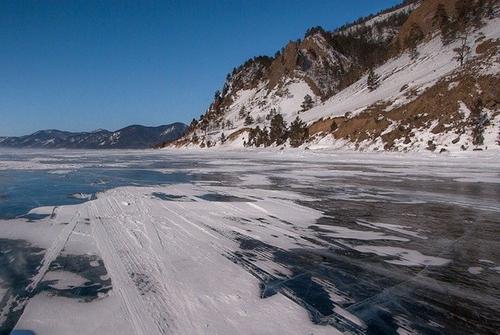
(134, 271)
(52, 253)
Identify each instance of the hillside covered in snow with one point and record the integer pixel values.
(420, 76)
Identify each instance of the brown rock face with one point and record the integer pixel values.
(422, 18)
(315, 60)
(284, 64)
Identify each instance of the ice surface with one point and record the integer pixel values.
(403, 256)
(496, 268)
(49, 315)
(475, 270)
(266, 242)
(63, 279)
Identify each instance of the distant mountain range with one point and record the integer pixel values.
(131, 137)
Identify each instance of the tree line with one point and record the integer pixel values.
(278, 133)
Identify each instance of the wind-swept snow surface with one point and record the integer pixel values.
(260, 242)
(173, 263)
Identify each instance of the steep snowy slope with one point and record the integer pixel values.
(405, 81)
(424, 96)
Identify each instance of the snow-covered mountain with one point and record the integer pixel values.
(419, 76)
(131, 137)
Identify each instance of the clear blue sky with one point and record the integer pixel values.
(87, 64)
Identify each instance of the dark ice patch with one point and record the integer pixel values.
(80, 265)
(19, 261)
(31, 217)
(167, 197)
(219, 197)
(299, 286)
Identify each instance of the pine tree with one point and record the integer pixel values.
(413, 52)
(481, 120)
(314, 30)
(307, 103)
(258, 137)
(278, 132)
(264, 137)
(440, 17)
(217, 95)
(192, 125)
(222, 138)
(298, 132)
(441, 21)
(251, 138)
(478, 13)
(203, 124)
(415, 35)
(490, 9)
(242, 113)
(248, 120)
(372, 80)
(464, 10)
(271, 114)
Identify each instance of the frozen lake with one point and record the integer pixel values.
(253, 242)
